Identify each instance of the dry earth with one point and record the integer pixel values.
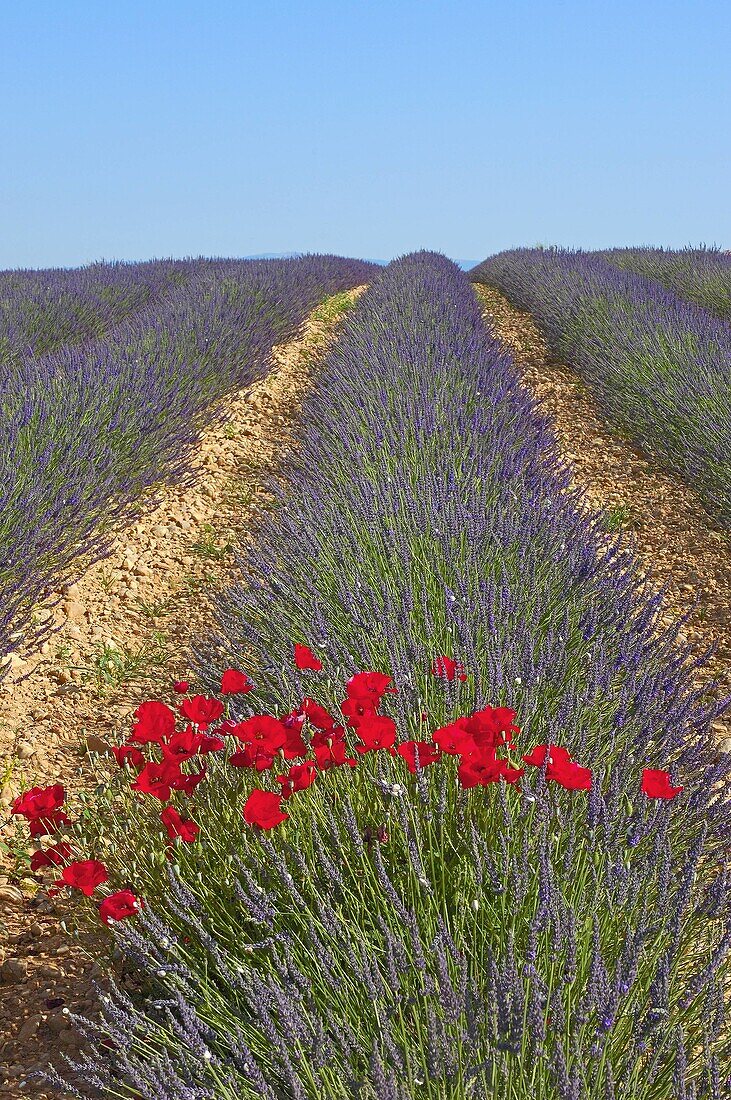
(675, 539)
(123, 634)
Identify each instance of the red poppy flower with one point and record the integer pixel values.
(176, 826)
(43, 826)
(428, 753)
(187, 783)
(155, 722)
(561, 768)
(293, 720)
(39, 801)
(263, 729)
(181, 686)
(294, 744)
(316, 714)
(118, 906)
(227, 726)
(156, 779)
(454, 738)
(492, 726)
(480, 770)
(333, 753)
(355, 710)
(201, 710)
(327, 737)
(570, 775)
(305, 658)
(210, 743)
(485, 767)
(253, 755)
(447, 669)
(51, 857)
(84, 875)
(183, 745)
(234, 682)
(537, 756)
(369, 685)
(376, 732)
(128, 754)
(263, 808)
(656, 784)
(298, 778)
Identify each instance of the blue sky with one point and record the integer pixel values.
(367, 128)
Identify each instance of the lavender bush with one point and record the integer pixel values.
(84, 429)
(660, 368)
(400, 937)
(700, 275)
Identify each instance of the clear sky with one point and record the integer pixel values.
(364, 127)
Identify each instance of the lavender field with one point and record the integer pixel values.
(700, 275)
(107, 376)
(659, 366)
(438, 811)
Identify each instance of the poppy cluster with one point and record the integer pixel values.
(310, 740)
(41, 807)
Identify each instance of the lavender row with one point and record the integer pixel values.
(536, 946)
(659, 367)
(86, 428)
(41, 311)
(699, 275)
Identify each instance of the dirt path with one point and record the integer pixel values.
(675, 539)
(124, 632)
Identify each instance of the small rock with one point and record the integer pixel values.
(25, 750)
(97, 744)
(75, 611)
(17, 1071)
(14, 970)
(57, 1023)
(44, 905)
(29, 1028)
(9, 893)
(13, 661)
(49, 973)
(6, 796)
(36, 929)
(141, 571)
